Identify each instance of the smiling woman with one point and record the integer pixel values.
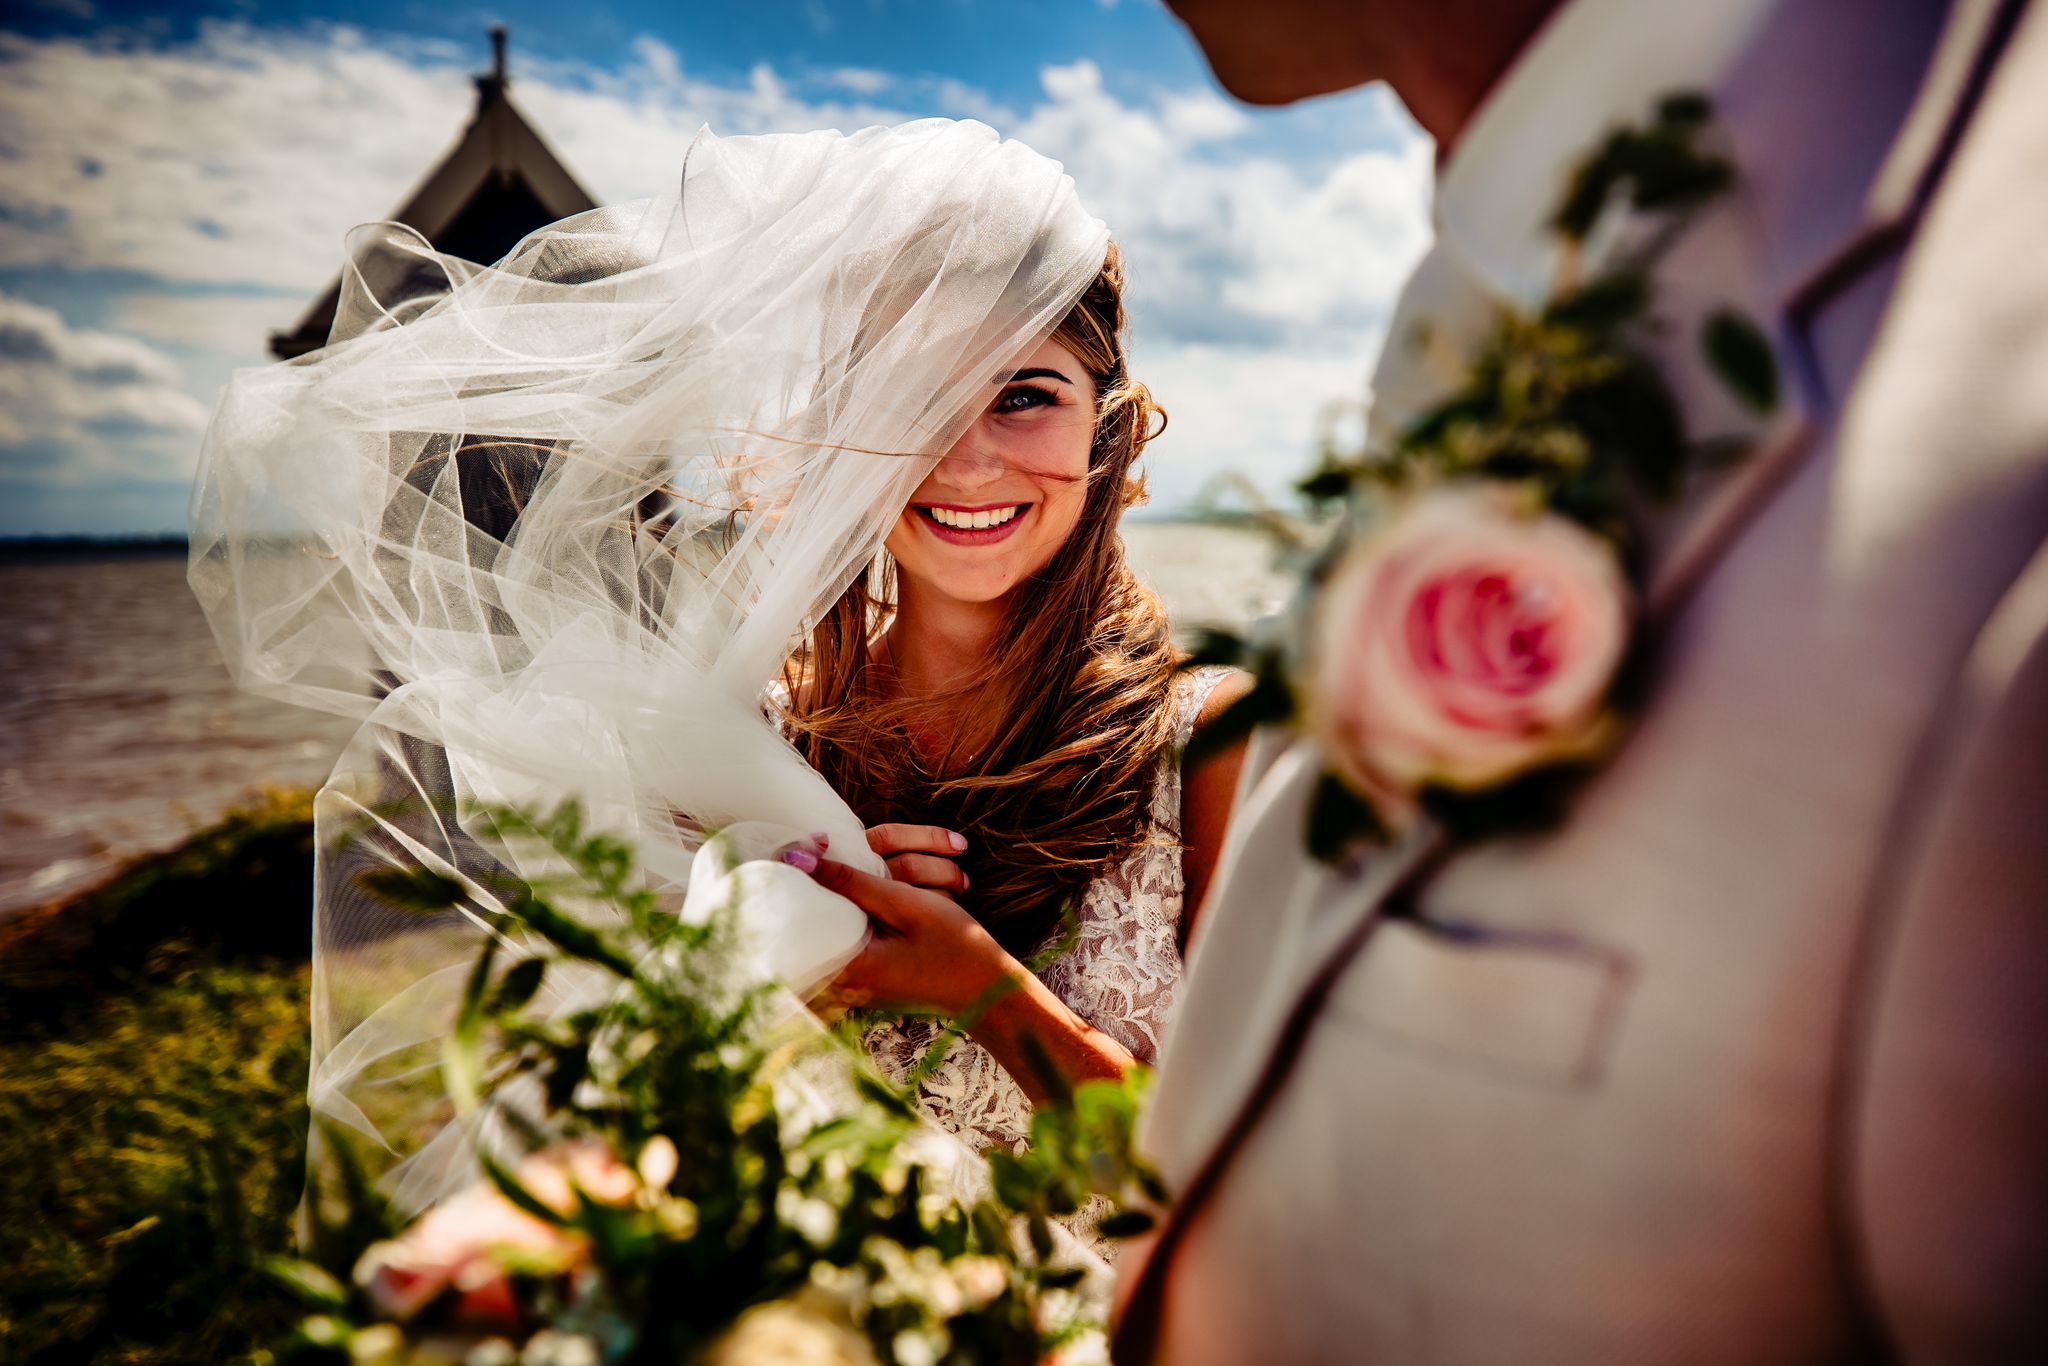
(999, 699)
(1016, 479)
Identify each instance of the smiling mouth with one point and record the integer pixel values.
(972, 526)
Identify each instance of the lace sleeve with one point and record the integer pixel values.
(1123, 972)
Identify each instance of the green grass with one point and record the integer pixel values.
(153, 1043)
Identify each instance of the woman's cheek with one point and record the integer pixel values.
(1062, 513)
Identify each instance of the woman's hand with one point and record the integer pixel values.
(922, 855)
(926, 954)
(929, 953)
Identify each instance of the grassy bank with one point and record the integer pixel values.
(152, 1100)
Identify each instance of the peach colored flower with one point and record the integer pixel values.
(459, 1243)
(1469, 639)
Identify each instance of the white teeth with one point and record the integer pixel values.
(974, 521)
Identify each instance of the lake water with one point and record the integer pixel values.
(120, 730)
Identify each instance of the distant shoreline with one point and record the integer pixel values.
(17, 549)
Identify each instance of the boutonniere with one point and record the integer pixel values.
(1469, 642)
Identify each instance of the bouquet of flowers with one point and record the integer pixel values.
(704, 1173)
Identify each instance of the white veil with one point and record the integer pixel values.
(550, 528)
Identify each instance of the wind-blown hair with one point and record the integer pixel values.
(1076, 690)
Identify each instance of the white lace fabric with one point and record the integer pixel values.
(1121, 975)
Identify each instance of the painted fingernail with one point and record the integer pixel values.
(965, 882)
(959, 840)
(801, 859)
(821, 839)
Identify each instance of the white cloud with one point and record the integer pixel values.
(1260, 282)
(861, 80)
(81, 405)
(1250, 412)
(1202, 116)
(1233, 249)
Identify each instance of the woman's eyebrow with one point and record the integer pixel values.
(1037, 374)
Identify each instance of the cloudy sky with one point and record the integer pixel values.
(177, 183)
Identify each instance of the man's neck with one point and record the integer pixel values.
(1444, 67)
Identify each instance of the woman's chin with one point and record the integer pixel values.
(976, 584)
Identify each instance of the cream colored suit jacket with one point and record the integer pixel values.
(1749, 1061)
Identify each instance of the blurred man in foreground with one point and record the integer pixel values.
(1748, 1059)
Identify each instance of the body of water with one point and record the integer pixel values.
(120, 730)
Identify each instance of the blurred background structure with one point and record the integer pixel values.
(499, 183)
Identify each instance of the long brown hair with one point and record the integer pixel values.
(1077, 689)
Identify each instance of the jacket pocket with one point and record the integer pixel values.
(1530, 1008)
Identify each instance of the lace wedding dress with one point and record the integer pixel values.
(1120, 976)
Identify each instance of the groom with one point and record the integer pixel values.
(1748, 1061)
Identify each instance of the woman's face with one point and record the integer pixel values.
(1009, 493)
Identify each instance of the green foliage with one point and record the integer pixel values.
(153, 1042)
(1339, 819)
(1742, 358)
(219, 893)
(154, 1157)
(1654, 168)
(1563, 401)
(758, 1208)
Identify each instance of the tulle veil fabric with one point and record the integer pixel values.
(550, 527)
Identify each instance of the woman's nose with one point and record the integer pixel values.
(973, 462)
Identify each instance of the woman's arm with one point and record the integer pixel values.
(929, 953)
(1207, 791)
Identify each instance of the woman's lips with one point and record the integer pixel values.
(959, 535)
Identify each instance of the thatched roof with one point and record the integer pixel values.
(499, 183)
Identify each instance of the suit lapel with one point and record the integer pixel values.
(1328, 914)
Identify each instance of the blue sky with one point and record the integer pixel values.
(179, 181)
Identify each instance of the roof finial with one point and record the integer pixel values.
(498, 54)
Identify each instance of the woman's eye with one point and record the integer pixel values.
(1023, 399)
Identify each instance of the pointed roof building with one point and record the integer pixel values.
(499, 183)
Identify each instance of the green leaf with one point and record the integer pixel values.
(1012, 1181)
(309, 1283)
(1603, 304)
(1338, 818)
(572, 938)
(518, 984)
(1688, 108)
(1740, 355)
(1533, 803)
(1466, 407)
(514, 1190)
(412, 889)
(1667, 174)
(1038, 1061)
(1212, 646)
(1592, 182)
(462, 1056)
(1128, 1223)
(568, 1065)
(1327, 484)
(1634, 425)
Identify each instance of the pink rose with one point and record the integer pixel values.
(1469, 639)
(461, 1241)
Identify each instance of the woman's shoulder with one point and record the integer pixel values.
(1202, 694)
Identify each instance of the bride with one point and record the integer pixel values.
(551, 529)
(998, 697)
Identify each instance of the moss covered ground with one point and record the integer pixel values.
(153, 1043)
